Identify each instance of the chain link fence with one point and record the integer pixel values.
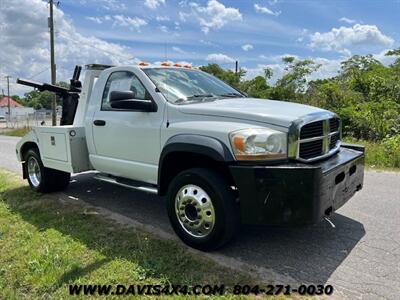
(38, 118)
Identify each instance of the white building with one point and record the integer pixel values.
(16, 109)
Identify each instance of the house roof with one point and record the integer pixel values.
(13, 103)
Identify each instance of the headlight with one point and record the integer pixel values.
(259, 144)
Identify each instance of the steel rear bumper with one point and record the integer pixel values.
(296, 193)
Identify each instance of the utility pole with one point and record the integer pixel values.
(8, 97)
(52, 64)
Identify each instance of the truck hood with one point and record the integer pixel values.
(280, 113)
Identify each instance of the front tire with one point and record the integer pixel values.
(42, 179)
(202, 209)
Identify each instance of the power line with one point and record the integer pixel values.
(41, 72)
(10, 66)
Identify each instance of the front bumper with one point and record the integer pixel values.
(297, 193)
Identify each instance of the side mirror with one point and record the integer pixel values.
(126, 100)
(117, 95)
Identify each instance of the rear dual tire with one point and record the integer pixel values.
(42, 179)
(202, 209)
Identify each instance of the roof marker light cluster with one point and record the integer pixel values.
(167, 64)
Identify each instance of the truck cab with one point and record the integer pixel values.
(219, 157)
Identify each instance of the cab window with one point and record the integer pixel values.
(123, 81)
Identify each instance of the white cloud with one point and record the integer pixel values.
(162, 18)
(178, 50)
(206, 42)
(247, 47)
(163, 28)
(347, 20)
(265, 10)
(219, 58)
(153, 4)
(25, 49)
(277, 69)
(340, 39)
(132, 23)
(95, 19)
(213, 16)
(183, 16)
(120, 20)
(273, 2)
(384, 59)
(111, 5)
(329, 68)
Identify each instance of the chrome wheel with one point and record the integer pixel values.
(195, 211)
(34, 174)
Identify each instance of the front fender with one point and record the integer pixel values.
(205, 146)
(199, 144)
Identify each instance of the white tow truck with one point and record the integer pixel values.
(220, 157)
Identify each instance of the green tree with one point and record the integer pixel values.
(226, 75)
(293, 83)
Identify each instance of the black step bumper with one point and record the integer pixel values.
(297, 193)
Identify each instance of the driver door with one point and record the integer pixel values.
(127, 142)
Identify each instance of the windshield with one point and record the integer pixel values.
(182, 86)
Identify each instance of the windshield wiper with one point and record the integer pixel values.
(193, 97)
(232, 95)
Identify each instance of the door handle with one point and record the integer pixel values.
(99, 122)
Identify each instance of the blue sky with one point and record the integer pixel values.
(284, 30)
(256, 33)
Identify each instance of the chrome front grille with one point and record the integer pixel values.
(312, 130)
(310, 149)
(334, 141)
(315, 139)
(334, 124)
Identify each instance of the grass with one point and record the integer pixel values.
(377, 156)
(16, 132)
(45, 245)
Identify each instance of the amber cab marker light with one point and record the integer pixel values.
(178, 65)
(165, 64)
(143, 64)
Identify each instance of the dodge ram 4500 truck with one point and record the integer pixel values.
(219, 157)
